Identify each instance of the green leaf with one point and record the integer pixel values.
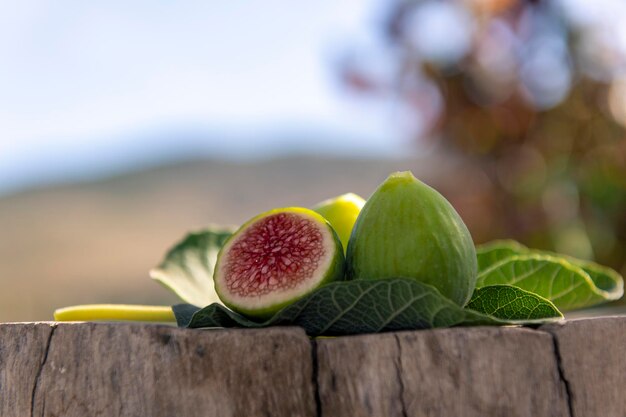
(566, 285)
(568, 282)
(183, 313)
(493, 252)
(512, 303)
(187, 269)
(360, 306)
(603, 277)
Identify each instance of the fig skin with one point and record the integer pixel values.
(334, 272)
(407, 229)
(341, 212)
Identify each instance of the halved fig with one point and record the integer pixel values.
(275, 259)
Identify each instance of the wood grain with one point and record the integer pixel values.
(592, 355)
(140, 370)
(358, 376)
(23, 349)
(453, 372)
(576, 368)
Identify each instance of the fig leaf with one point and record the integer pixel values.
(368, 306)
(568, 282)
(187, 269)
(507, 302)
(603, 277)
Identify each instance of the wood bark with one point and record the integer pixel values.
(575, 368)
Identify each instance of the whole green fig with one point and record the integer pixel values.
(407, 229)
(341, 212)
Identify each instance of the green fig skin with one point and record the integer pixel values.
(407, 229)
(341, 212)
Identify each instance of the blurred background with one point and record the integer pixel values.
(124, 125)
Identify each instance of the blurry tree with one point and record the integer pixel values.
(533, 94)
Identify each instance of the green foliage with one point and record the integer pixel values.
(516, 285)
(507, 302)
(187, 269)
(568, 282)
(498, 250)
(370, 306)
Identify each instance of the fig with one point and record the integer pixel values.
(341, 212)
(275, 259)
(407, 229)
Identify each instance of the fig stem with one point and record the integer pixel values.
(115, 312)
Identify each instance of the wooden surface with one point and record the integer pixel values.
(22, 354)
(592, 354)
(449, 372)
(575, 369)
(136, 370)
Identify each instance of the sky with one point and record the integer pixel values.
(92, 88)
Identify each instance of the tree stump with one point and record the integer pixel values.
(571, 369)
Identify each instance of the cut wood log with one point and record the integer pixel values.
(23, 349)
(451, 372)
(142, 370)
(592, 357)
(572, 369)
